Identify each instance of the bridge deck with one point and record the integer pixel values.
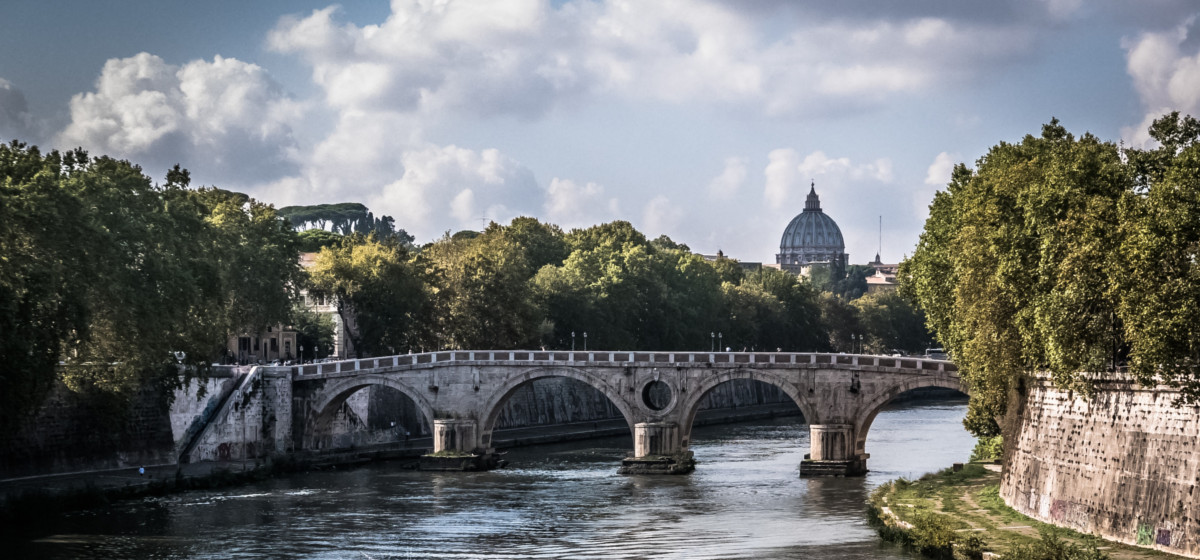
(670, 359)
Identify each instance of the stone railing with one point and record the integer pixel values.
(706, 359)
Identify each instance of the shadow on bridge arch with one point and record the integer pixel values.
(496, 403)
(869, 410)
(695, 395)
(331, 407)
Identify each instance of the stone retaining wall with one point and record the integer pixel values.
(83, 431)
(1122, 463)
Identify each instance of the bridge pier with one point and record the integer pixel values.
(832, 453)
(658, 449)
(454, 436)
(456, 448)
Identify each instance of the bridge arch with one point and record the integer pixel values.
(496, 402)
(869, 410)
(783, 381)
(333, 395)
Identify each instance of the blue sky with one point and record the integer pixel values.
(703, 120)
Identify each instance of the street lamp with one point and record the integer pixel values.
(851, 343)
(572, 341)
(720, 342)
(712, 336)
(585, 341)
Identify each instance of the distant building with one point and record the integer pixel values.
(812, 239)
(746, 266)
(343, 347)
(275, 343)
(884, 279)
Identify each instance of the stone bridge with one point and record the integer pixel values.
(461, 393)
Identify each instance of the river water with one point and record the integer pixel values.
(745, 500)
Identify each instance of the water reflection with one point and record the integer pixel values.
(745, 500)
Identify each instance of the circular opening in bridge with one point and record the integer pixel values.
(656, 395)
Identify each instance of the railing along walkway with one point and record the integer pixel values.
(706, 359)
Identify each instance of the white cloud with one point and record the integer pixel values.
(938, 174)
(570, 204)
(661, 217)
(726, 185)
(782, 177)
(1165, 75)
(227, 120)
(526, 57)
(817, 164)
(448, 186)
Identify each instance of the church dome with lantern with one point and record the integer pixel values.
(811, 238)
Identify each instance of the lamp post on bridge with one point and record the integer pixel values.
(712, 347)
(585, 341)
(720, 341)
(572, 341)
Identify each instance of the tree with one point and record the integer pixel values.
(109, 281)
(384, 294)
(483, 298)
(314, 333)
(543, 244)
(889, 323)
(851, 286)
(1016, 267)
(312, 240)
(42, 289)
(802, 328)
(253, 253)
(841, 323)
(1160, 284)
(344, 218)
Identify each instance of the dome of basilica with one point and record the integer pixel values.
(811, 237)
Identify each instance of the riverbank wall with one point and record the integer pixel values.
(1121, 462)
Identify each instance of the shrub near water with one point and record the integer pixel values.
(988, 449)
(933, 535)
(1053, 547)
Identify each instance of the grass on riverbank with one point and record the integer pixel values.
(960, 515)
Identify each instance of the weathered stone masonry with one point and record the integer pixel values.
(1122, 463)
(256, 412)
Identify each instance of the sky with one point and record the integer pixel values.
(705, 120)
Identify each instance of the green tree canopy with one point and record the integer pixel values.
(344, 218)
(107, 276)
(384, 294)
(1065, 255)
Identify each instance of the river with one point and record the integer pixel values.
(745, 500)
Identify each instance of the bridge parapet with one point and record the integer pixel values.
(808, 360)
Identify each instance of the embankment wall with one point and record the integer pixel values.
(1121, 462)
(88, 430)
